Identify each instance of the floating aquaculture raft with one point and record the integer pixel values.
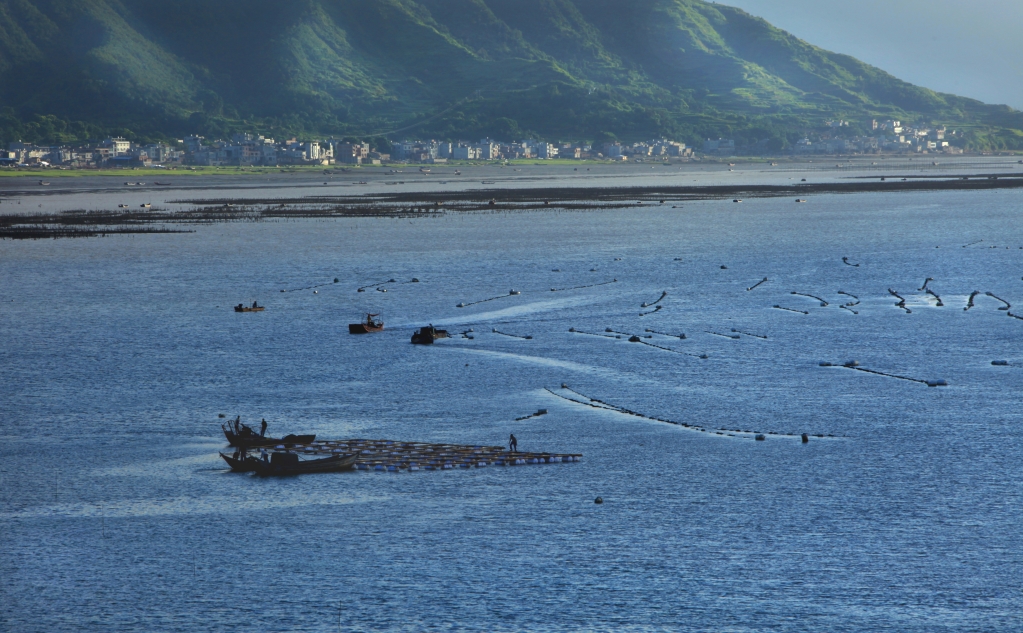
(394, 456)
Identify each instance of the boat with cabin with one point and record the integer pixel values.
(367, 326)
(427, 335)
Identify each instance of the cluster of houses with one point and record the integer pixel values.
(250, 149)
(889, 136)
(489, 149)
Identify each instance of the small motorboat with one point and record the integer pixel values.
(146, 206)
(244, 308)
(367, 326)
(44, 183)
(282, 464)
(162, 184)
(427, 335)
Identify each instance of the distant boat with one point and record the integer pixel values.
(427, 335)
(489, 182)
(162, 184)
(367, 326)
(244, 308)
(145, 206)
(43, 183)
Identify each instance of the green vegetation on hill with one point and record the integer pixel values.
(561, 69)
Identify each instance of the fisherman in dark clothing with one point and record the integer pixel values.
(237, 425)
(262, 430)
(513, 444)
(255, 305)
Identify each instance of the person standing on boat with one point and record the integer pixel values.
(513, 444)
(237, 425)
(262, 429)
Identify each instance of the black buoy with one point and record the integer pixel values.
(221, 415)
(598, 500)
(336, 280)
(724, 267)
(806, 438)
(634, 339)
(760, 438)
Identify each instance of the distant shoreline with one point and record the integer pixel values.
(420, 204)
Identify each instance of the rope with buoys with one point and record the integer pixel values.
(607, 406)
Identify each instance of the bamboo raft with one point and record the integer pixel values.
(395, 456)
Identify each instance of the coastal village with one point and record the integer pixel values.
(890, 136)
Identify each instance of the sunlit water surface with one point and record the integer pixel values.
(117, 354)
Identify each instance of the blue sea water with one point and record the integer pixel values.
(118, 354)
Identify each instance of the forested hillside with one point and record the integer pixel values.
(566, 69)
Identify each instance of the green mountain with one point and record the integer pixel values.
(563, 69)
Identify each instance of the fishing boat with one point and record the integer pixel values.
(428, 334)
(282, 464)
(249, 438)
(240, 465)
(44, 183)
(162, 184)
(367, 326)
(244, 308)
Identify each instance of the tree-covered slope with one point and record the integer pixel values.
(559, 68)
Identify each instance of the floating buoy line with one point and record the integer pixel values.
(763, 336)
(972, 243)
(845, 260)
(848, 294)
(653, 303)
(762, 281)
(511, 293)
(731, 336)
(924, 286)
(901, 303)
(855, 365)
(823, 303)
(329, 283)
(778, 307)
(940, 304)
(737, 433)
(576, 331)
(678, 336)
(532, 415)
(603, 283)
(656, 309)
(525, 338)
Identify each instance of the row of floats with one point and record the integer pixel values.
(395, 456)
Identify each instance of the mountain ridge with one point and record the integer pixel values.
(570, 69)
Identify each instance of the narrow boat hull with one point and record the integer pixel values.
(240, 465)
(281, 468)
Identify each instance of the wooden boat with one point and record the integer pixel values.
(282, 464)
(428, 334)
(243, 308)
(249, 438)
(367, 326)
(240, 465)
